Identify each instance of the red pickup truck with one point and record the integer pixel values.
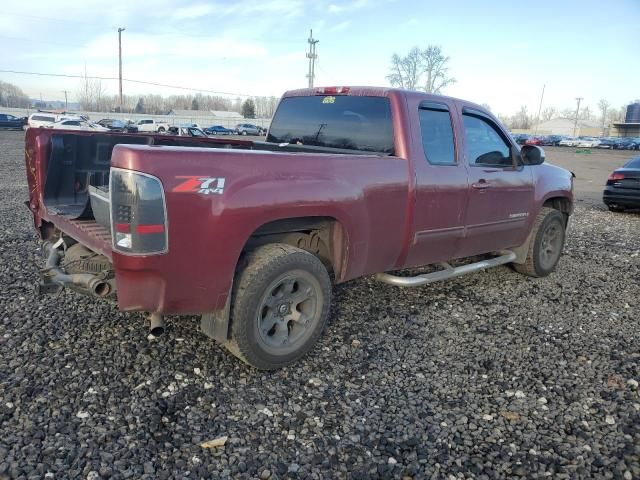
(251, 234)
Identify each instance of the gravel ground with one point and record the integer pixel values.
(493, 375)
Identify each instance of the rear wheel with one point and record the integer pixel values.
(546, 245)
(161, 130)
(280, 306)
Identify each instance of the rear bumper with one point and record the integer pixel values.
(626, 197)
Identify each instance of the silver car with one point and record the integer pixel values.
(249, 129)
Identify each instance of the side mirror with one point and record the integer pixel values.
(532, 155)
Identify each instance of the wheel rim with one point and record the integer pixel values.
(551, 245)
(288, 312)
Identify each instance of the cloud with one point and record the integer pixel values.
(193, 11)
(347, 6)
(340, 26)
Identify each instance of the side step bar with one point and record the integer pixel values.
(447, 273)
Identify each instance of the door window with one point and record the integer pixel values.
(437, 135)
(484, 146)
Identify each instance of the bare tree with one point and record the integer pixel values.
(568, 113)
(548, 113)
(12, 96)
(91, 94)
(522, 119)
(603, 105)
(406, 71)
(435, 68)
(585, 113)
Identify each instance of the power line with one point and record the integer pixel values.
(143, 82)
(52, 19)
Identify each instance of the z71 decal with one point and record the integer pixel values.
(202, 185)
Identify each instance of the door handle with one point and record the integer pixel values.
(482, 184)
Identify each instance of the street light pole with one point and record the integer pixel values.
(575, 122)
(539, 110)
(120, 30)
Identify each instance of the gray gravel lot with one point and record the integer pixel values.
(493, 375)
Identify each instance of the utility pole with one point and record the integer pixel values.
(539, 110)
(312, 58)
(575, 122)
(66, 103)
(120, 30)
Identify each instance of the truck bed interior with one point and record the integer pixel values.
(78, 160)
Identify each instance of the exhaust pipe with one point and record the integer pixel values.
(156, 327)
(84, 282)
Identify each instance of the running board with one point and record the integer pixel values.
(447, 273)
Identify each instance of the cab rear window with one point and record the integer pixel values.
(340, 121)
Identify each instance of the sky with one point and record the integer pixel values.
(501, 52)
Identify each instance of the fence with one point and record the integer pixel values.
(200, 119)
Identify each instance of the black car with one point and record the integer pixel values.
(11, 121)
(118, 125)
(623, 187)
(627, 143)
(520, 138)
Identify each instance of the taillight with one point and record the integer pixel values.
(138, 213)
(616, 176)
(333, 90)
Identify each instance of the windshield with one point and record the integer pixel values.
(196, 132)
(346, 122)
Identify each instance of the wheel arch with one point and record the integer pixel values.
(302, 232)
(324, 236)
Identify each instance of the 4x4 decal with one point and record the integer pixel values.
(202, 185)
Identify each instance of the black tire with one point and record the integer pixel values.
(280, 306)
(161, 130)
(543, 254)
(615, 208)
(244, 132)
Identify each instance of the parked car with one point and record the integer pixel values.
(607, 142)
(118, 125)
(627, 143)
(11, 121)
(568, 142)
(218, 130)
(151, 125)
(187, 131)
(46, 119)
(521, 138)
(78, 124)
(252, 238)
(552, 140)
(533, 141)
(623, 187)
(587, 142)
(249, 129)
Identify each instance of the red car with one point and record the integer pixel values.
(251, 235)
(534, 141)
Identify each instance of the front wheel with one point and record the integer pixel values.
(546, 245)
(280, 306)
